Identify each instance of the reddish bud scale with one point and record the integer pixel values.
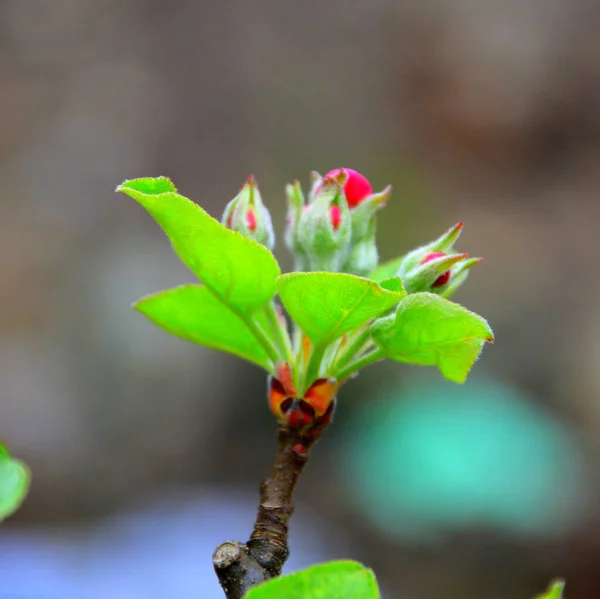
(356, 187)
(300, 449)
(306, 347)
(300, 415)
(320, 395)
(314, 410)
(315, 431)
(445, 276)
(284, 374)
(277, 397)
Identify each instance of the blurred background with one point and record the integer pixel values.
(486, 112)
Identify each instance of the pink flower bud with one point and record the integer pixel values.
(247, 215)
(336, 216)
(356, 187)
(251, 219)
(445, 276)
(324, 230)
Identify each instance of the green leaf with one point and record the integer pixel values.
(14, 483)
(393, 284)
(431, 331)
(555, 590)
(326, 305)
(240, 271)
(334, 580)
(386, 270)
(193, 313)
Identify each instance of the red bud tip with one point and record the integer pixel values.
(432, 256)
(445, 276)
(356, 188)
(251, 180)
(442, 279)
(336, 216)
(251, 219)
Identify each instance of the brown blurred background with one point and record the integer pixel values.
(147, 451)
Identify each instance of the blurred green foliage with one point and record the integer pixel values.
(430, 456)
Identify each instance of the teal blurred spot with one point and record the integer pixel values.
(434, 456)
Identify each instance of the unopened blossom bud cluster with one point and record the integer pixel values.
(334, 230)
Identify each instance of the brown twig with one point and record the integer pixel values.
(241, 566)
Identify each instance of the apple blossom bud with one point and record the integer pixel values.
(247, 214)
(363, 256)
(295, 199)
(364, 213)
(442, 244)
(445, 276)
(336, 216)
(458, 276)
(324, 230)
(439, 273)
(432, 268)
(356, 186)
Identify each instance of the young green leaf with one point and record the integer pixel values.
(326, 305)
(431, 331)
(555, 590)
(334, 580)
(14, 483)
(393, 284)
(386, 270)
(241, 272)
(193, 313)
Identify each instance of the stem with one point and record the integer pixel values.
(331, 353)
(265, 341)
(302, 350)
(297, 346)
(282, 338)
(353, 349)
(374, 356)
(314, 364)
(241, 566)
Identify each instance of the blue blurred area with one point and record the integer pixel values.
(433, 456)
(159, 549)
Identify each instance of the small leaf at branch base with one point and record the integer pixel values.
(431, 331)
(334, 580)
(14, 483)
(326, 305)
(555, 591)
(241, 272)
(193, 313)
